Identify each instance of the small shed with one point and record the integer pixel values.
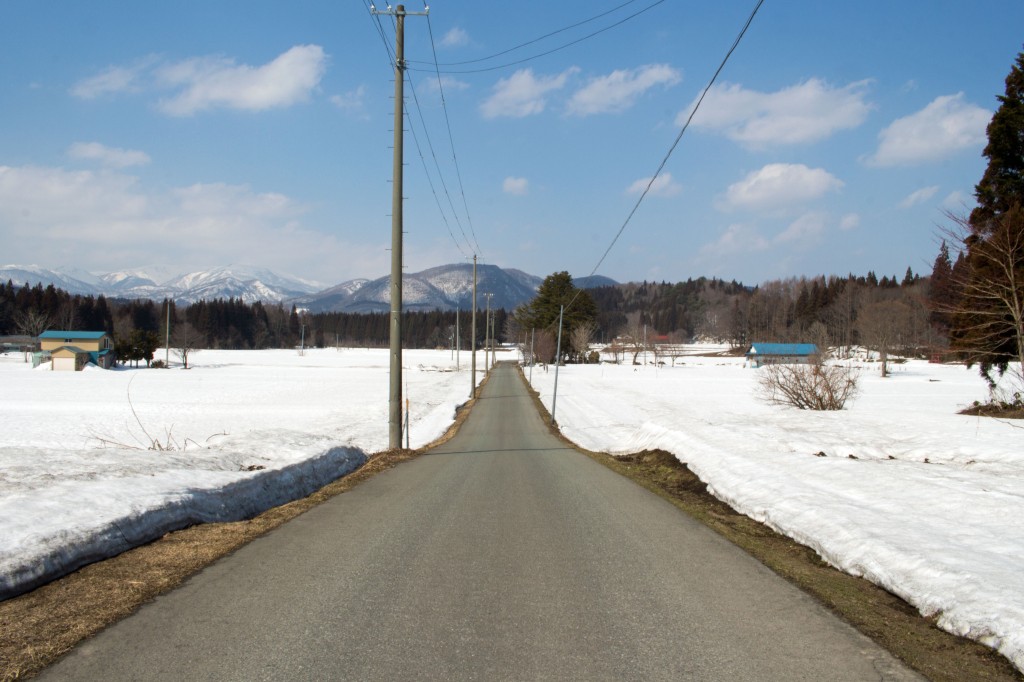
(780, 354)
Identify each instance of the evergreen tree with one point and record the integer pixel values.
(1002, 185)
(542, 312)
(989, 324)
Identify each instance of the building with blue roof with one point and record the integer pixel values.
(780, 354)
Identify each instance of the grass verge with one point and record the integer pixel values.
(891, 622)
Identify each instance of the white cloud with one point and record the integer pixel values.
(806, 230)
(779, 185)
(202, 83)
(918, 197)
(517, 186)
(663, 186)
(802, 113)
(618, 90)
(108, 156)
(523, 94)
(455, 37)
(114, 79)
(106, 219)
(944, 127)
(448, 84)
(209, 82)
(850, 221)
(958, 201)
(351, 101)
(736, 239)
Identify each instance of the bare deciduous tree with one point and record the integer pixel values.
(883, 325)
(32, 322)
(989, 317)
(580, 339)
(185, 340)
(817, 386)
(544, 346)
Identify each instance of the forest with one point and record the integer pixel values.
(830, 311)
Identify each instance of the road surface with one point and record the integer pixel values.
(501, 555)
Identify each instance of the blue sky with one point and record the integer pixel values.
(196, 134)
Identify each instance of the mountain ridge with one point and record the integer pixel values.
(443, 287)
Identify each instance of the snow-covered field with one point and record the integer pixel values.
(916, 498)
(247, 430)
(928, 506)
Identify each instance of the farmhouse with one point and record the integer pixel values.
(780, 354)
(73, 350)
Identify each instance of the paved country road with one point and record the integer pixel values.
(502, 555)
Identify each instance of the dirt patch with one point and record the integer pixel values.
(40, 626)
(888, 620)
(1005, 411)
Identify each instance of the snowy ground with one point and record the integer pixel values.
(248, 430)
(931, 508)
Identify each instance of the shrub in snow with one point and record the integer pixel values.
(816, 386)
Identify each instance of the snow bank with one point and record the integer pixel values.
(249, 430)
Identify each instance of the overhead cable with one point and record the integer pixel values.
(679, 137)
(553, 50)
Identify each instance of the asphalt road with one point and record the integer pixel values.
(502, 555)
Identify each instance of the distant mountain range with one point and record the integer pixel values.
(446, 287)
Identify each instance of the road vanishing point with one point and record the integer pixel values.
(503, 554)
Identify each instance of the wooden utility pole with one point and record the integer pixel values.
(395, 388)
(472, 338)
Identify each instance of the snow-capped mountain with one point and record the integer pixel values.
(442, 288)
(33, 274)
(239, 281)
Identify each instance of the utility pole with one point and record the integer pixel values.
(167, 344)
(472, 338)
(458, 341)
(558, 361)
(533, 338)
(487, 331)
(395, 388)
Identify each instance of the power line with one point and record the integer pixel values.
(531, 42)
(451, 139)
(553, 50)
(440, 175)
(387, 46)
(679, 137)
(430, 181)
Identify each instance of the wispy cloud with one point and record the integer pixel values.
(802, 113)
(918, 197)
(516, 186)
(779, 185)
(948, 124)
(212, 82)
(663, 186)
(850, 221)
(523, 94)
(115, 79)
(203, 83)
(112, 157)
(352, 101)
(108, 218)
(455, 37)
(737, 238)
(806, 230)
(620, 89)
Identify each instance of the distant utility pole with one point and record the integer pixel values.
(167, 344)
(472, 338)
(395, 389)
(487, 330)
